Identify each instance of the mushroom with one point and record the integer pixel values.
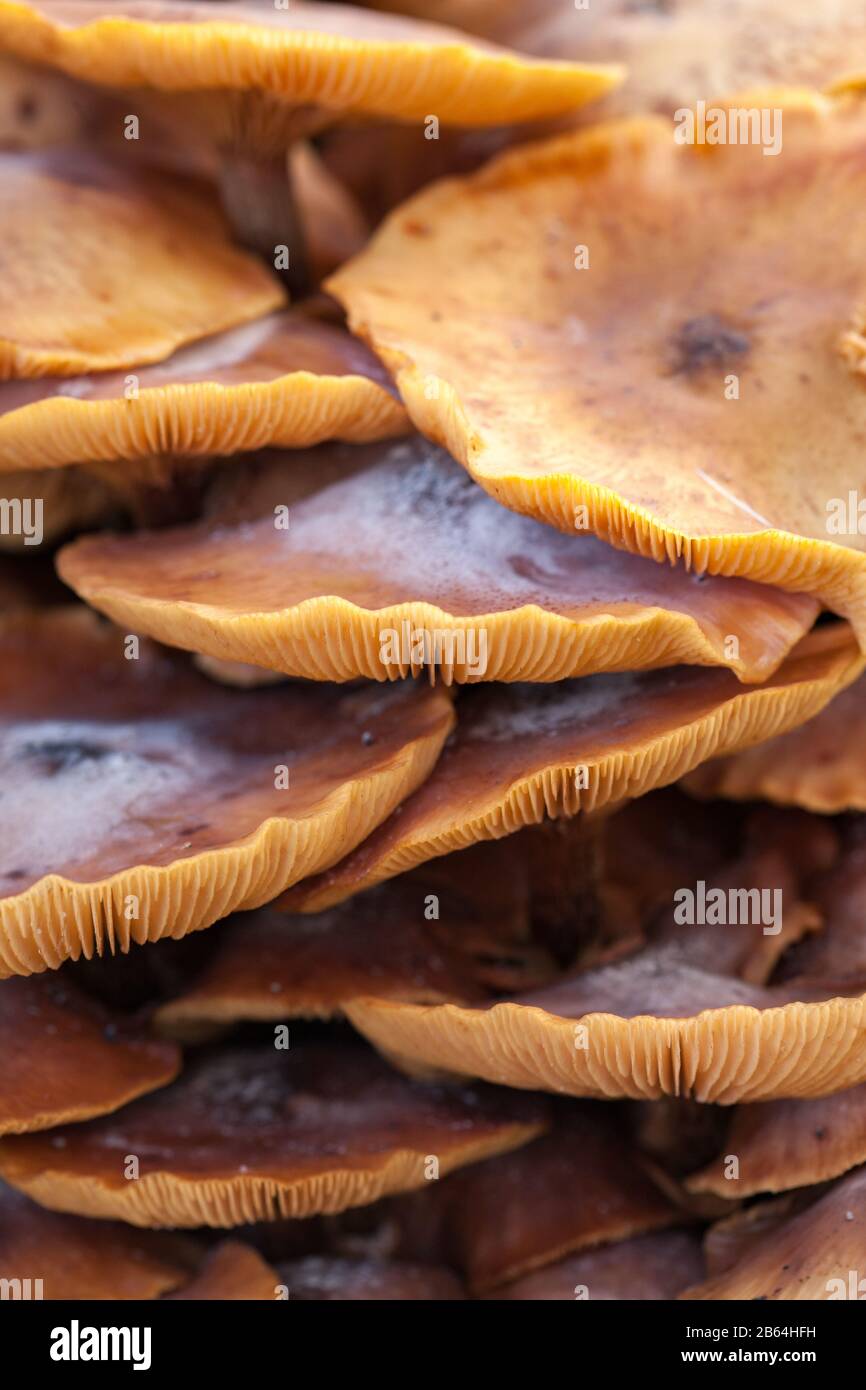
(653, 1266)
(820, 766)
(79, 1259)
(258, 1133)
(621, 369)
(703, 1009)
(404, 564)
(284, 379)
(782, 1144)
(809, 1255)
(340, 1279)
(579, 1186)
(167, 273)
(524, 752)
(142, 801)
(66, 1058)
(418, 937)
(231, 1271)
(252, 79)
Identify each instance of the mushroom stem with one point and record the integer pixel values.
(259, 201)
(566, 868)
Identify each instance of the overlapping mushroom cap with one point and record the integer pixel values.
(820, 766)
(254, 1134)
(146, 261)
(143, 801)
(333, 56)
(396, 561)
(523, 752)
(283, 379)
(618, 368)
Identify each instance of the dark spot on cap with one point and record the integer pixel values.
(706, 342)
(367, 738)
(26, 108)
(63, 754)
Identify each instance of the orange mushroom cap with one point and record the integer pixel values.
(65, 1058)
(147, 266)
(405, 564)
(143, 801)
(252, 1135)
(523, 752)
(618, 368)
(332, 56)
(284, 379)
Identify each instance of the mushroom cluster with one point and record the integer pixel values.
(432, 650)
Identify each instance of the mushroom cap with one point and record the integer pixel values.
(674, 53)
(404, 563)
(268, 965)
(601, 397)
(335, 56)
(256, 1134)
(653, 1266)
(335, 1278)
(78, 1259)
(807, 1256)
(143, 801)
(782, 1144)
(283, 379)
(518, 751)
(578, 1186)
(820, 766)
(699, 1010)
(231, 1271)
(66, 1058)
(147, 266)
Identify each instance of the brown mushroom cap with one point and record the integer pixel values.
(423, 936)
(252, 1135)
(333, 56)
(701, 1010)
(579, 1186)
(284, 379)
(78, 1259)
(147, 266)
(143, 801)
(654, 1266)
(334, 1278)
(600, 397)
(232, 1271)
(518, 751)
(376, 564)
(65, 1058)
(809, 1256)
(821, 766)
(788, 1143)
